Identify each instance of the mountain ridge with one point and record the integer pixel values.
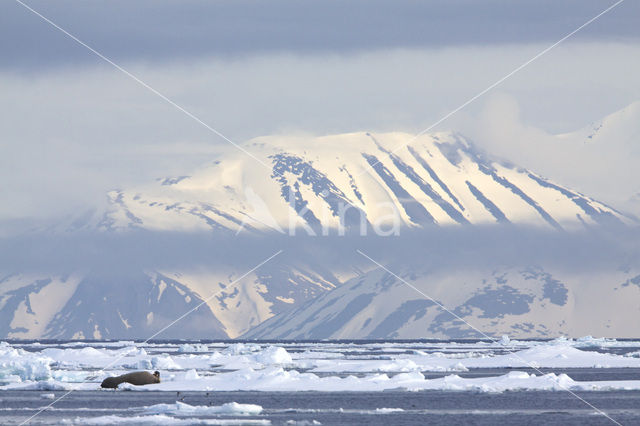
(439, 180)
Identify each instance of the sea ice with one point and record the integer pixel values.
(160, 419)
(312, 366)
(182, 409)
(273, 355)
(191, 348)
(388, 410)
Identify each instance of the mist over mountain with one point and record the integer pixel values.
(342, 236)
(598, 158)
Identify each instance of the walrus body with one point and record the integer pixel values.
(137, 378)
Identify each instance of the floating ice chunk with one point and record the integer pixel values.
(517, 375)
(159, 419)
(193, 348)
(388, 410)
(73, 358)
(143, 364)
(48, 396)
(132, 351)
(460, 367)
(164, 362)
(182, 409)
(241, 349)
(398, 365)
(590, 341)
(117, 420)
(126, 386)
(504, 340)
(191, 375)
(273, 355)
(24, 367)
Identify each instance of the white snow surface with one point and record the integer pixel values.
(314, 367)
(182, 409)
(159, 419)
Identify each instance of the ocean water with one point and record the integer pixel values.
(333, 408)
(200, 368)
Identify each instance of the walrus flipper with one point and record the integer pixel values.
(110, 383)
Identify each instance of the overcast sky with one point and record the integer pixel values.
(74, 127)
(160, 30)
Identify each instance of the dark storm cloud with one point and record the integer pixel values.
(169, 30)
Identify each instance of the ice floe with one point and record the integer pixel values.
(384, 410)
(182, 409)
(160, 419)
(187, 347)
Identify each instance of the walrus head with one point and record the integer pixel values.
(156, 374)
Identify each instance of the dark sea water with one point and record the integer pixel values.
(348, 408)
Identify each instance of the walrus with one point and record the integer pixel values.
(137, 378)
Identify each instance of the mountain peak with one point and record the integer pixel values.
(356, 182)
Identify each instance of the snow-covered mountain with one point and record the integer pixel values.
(525, 301)
(136, 304)
(621, 128)
(340, 180)
(356, 183)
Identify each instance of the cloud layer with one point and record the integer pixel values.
(73, 127)
(437, 249)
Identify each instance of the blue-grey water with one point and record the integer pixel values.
(348, 408)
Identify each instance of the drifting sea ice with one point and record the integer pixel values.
(182, 409)
(160, 419)
(313, 366)
(187, 347)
